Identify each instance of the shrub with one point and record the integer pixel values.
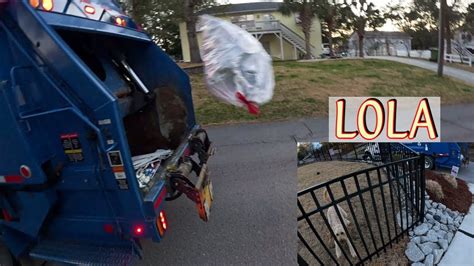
(451, 180)
(434, 188)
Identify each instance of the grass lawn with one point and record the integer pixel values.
(302, 89)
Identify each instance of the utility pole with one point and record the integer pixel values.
(441, 29)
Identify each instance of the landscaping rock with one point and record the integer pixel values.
(432, 211)
(416, 239)
(438, 253)
(429, 260)
(450, 213)
(429, 240)
(429, 216)
(413, 253)
(443, 220)
(430, 244)
(443, 227)
(426, 249)
(443, 243)
(449, 219)
(422, 229)
(441, 234)
(449, 236)
(432, 236)
(417, 264)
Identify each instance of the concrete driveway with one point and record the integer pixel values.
(460, 74)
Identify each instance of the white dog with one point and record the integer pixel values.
(337, 227)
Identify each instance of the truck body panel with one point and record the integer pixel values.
(79, 96)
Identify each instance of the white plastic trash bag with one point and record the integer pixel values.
(238, 70)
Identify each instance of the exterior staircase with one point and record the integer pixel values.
(275, 26)
(460, 54)
(295, 39)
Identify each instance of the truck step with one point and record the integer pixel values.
(84, 253)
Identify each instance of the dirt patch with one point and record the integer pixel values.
(458, 199)
(396, 255)
(372, 234)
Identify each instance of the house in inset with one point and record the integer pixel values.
(280, 35)
(377, 43)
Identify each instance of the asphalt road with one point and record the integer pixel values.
(253, 219)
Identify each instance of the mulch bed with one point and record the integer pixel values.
(457, 199)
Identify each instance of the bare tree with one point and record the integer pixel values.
(359, 15)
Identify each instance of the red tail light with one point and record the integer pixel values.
(138, 230)
(47, 5)
(35, 3)
(108, 228)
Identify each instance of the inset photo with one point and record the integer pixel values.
(385, 203)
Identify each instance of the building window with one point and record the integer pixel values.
(268, 17)
(242, 18)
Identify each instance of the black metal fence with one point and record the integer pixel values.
(379, 204)
(370, 152)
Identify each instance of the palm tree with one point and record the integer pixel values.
(306, 9)
(359, 15)
(329, 11)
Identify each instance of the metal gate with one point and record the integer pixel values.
(369, 152)
(381, 204)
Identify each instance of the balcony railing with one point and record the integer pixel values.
(253, 26)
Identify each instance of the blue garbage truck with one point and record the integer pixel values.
(83, 91)
(437, 154)
(440, 155)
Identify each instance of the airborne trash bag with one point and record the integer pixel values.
(237, 68)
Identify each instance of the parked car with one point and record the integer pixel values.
(326, 50)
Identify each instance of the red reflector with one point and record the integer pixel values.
(108, 228)
(89, 10)
(25, 171)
